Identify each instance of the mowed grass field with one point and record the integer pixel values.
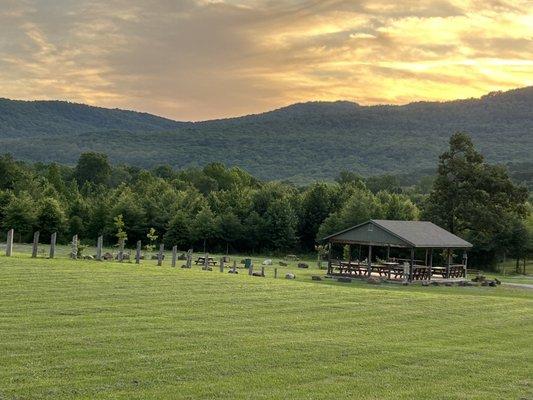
(104, 330)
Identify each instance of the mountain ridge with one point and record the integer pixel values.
(300, 142)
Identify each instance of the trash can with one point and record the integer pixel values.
(247, 262)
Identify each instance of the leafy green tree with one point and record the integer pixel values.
(152, 237)
(204, 226)
(178, 231)
(19, 215)
(397, 207)
(317, 202)
(50, 217)
(230, 228)
(474, 200)
(94, 168)
(360, 207)
(280, 225)
(120, 234)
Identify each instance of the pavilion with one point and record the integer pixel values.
(404, 235)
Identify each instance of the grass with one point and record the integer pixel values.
(104, 330)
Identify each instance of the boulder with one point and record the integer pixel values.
(291, 257)
(290, 276)
(316, 278)
(233, 271)
(283, 264)
(182, 256)
(373, 280)
(258, 273)
(88, 257)
(267, 262)
(303, 265)
(425, 283)
(107, 256)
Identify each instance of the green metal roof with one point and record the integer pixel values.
(382, 232)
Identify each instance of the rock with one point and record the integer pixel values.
(303, 265)
(425, 283)
(184, 266)
(107, 256)
(257, 274)
(88, 257)
(492, 283)
(233, 271)
(182, 256)
(498, 282)
(316, 278)
(267, 262)
(291, 257)
(126, 256)
(373, 280)
(204, 268)
(290, 276)
(283, 264)
(344, 279)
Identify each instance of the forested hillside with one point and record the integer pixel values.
(301, 142)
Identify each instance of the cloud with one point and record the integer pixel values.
(198, 59)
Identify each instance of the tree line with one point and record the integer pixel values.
(227, 209)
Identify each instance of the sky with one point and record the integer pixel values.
(205, 59)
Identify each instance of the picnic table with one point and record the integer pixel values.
(201, 261)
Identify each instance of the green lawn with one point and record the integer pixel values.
(95, 330)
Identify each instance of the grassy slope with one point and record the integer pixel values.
(82, 329)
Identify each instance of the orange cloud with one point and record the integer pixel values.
(199, 59)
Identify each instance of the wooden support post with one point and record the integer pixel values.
(369, 263)
(9, 242)
(160, 255)
(430, 274)
(262, 271)
(206, 260)
(426, 258)
(388, 253)
(465, 262)
(221, 264)
(275, 273)
(251, 270)
(35, 245)
(138, 252)
(234, 265)
(349, 254)
(412, 264)
(99, 247)
(174, 256)
(74, 247)
(448, 256)
(330, 267)
(53, 240)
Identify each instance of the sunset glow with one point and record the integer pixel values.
(201, 59)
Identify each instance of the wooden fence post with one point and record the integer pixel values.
(138, 252)
(120, 250)
(74, 247)
(251, 270)
(9, 242)
(174, 255)
(275, 272)
(160, 255)
(53, 240)
(99, 246)
(35, 245)
(262, 271)
(221, 264)
(189, 259)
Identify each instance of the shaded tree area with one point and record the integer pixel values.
(479, 202)
(227, 209)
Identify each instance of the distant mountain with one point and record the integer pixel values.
(301, 142)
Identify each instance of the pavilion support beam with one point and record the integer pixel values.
(465, 262)
(330, 271)
(430, 272)
(448, 256)
(412, 264)
(388, 252)
(369, 263)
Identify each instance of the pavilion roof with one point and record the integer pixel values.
(382, 232)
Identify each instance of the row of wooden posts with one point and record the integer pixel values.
(120, 256)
